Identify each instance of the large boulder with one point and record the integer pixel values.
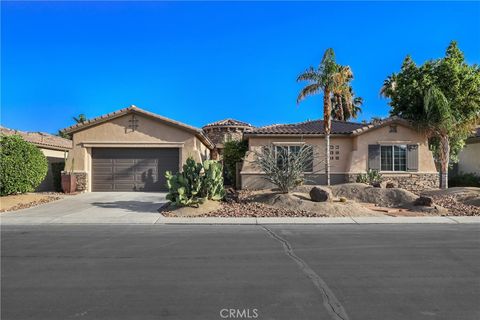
(319, 194)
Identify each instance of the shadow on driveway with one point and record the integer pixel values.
(133, 206)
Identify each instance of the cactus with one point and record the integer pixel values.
(213, 180)
(195, 183)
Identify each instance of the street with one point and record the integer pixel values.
(352, 272)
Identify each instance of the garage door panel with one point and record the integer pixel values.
(132, 169)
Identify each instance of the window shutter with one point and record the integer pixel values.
(374, 157)
(412, 157)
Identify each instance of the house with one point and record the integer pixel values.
(225, 130)
(391, 146)
(468, 159)
(130, 150)
(53, 147)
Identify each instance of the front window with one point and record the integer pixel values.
(283, 153)
(393, 158)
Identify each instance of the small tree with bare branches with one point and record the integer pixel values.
(285, 166)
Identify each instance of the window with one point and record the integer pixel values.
(287, 151)
(393, 158)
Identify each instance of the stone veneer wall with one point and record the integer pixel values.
(81, 180)
(414, 182)
(222, 134)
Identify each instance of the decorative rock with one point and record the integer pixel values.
(376, 184)
(390, 185)
(415, 182)
(423, 201)
(318, 194)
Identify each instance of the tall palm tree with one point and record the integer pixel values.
(342, 96)
(437, 122)
(350, 106)
(322, 81)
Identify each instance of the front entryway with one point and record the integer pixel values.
(132, 169)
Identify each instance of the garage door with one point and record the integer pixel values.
(132, 169)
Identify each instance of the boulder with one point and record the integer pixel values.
(377, 184)
(319, 194)
(423, 201)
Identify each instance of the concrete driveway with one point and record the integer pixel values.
(94, 207)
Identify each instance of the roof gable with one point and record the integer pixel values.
(135, 110)
(228, 123)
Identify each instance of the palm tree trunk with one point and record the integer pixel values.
(340, 109)
(327, 124)
(444, 161)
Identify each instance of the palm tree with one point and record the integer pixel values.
(347, 110)
(437, 122)
(388, 86)
(80, 119)
(322, 81)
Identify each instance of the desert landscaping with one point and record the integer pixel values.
(343, 200)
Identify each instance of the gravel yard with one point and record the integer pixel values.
(26, 200)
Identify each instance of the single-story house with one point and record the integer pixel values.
(391, 146)
(130, 150)
(53, 147)
(468, 158)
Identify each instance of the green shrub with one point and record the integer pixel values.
(464, 180)
(22, 165)
(233, 152)
(195, 183)
(371, 177)
(57, 168)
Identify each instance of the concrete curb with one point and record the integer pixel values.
(339, 220)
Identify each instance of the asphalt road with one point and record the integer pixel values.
(352, 272)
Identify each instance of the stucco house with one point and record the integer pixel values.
(468, 159)
(130, 150)
(391, 146)
(53, 147)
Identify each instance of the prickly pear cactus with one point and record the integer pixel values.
(213, 180)
(195, 183)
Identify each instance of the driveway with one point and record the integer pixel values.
(328, 272)
(93, 207)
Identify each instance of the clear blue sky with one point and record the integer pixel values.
(201, 62)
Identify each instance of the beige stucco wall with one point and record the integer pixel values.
(150, 133)
(53, 153)
(337, 166)
(353, 153)
(382, 135)
(469, 159)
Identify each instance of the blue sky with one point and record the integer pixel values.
(201, 62)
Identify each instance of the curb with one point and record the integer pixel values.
(338, 220)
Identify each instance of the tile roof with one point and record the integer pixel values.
(315, 127)
(228, 123)
(308, 127)
(40, 139)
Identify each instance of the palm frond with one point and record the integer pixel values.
(309, 90)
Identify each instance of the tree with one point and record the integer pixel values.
(352, 110)
(233, 152)
(22, 165)
(322, 81)
(442, 98)
(80, 119)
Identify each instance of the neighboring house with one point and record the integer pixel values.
(222, 131)
(130, 150)
(469, 157)
(53, 147)
(391, 146)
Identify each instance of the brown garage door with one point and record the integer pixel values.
(132, 169)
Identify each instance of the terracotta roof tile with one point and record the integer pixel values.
(40, 139)
(228, 123)
(308, 127)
